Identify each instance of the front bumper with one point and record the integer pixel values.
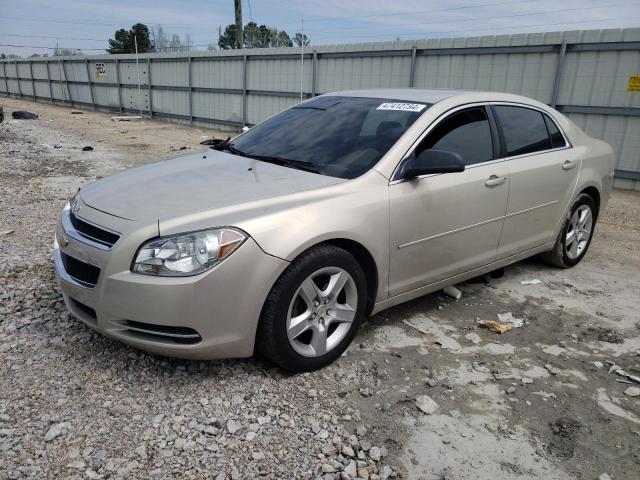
(211, 315)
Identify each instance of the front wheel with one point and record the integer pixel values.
(575, 236)
(314, 310)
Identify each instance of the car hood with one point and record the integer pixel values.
(193, 183)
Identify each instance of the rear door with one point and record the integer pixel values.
(543, 172)
(441, 225)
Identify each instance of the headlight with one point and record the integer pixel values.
(187, 254)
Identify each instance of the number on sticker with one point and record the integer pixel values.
(403, 107)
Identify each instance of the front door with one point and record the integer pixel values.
(442, 225)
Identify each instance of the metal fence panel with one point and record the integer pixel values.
(221, 106)
(583, 73)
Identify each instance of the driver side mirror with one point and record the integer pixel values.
(433, 161)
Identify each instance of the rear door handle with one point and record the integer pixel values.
(568, 164)
(495, 180)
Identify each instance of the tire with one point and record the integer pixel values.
(296, 345)
(564, 256)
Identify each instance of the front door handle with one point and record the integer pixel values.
(568, 164)
(495, 180)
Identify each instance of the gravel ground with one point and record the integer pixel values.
(423, 392)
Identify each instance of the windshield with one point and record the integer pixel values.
(337, 136)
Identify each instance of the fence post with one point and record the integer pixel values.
(412, 69)
(314, 70)
(33, 82)
(49, 80)
(118, 82)
(6, 83)
(18, 79)
(190, 89)
(149, 86)
(244, 90)
(558, 75)
(93, 102)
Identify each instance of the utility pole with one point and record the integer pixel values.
(239, 39)
(302, 58)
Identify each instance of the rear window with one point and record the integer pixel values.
(524, 129)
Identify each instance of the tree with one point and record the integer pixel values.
(124, 41)
(254, 37)
(280, 39)
(301, 40)
(227, 40)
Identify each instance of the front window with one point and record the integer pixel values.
(336, 136)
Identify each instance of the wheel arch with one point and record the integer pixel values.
(362, 255)
(594, 193)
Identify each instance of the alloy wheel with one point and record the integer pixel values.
(322, 311)
(579, 232)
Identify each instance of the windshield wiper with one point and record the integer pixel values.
(224, 145)
(285, 162)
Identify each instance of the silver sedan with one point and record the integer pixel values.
(282, 240)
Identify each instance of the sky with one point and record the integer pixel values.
(37, 26)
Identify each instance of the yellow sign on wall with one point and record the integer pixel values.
(634, 83)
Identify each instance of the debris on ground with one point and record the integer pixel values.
(452, 291)
(1, 114)
(426, 404)
(616, 369)
(552, 370)
(87, 148)
(76, 112)
(495, 326)
(126, 118)
(6, 232)
(24, 115)
(510, 319)
(532, 281)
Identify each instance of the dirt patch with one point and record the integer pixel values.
(564, 433)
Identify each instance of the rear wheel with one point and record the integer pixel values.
(575, 236)
(314, 310)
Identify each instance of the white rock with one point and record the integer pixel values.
(426, 404)
(374, 453)
(55, 431)
(233, 426)
(632, 391)
(473, 337)
(351, 469)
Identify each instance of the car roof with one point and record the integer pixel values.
(432, 95)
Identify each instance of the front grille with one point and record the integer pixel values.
(161, 333)
(92, 232)
(83, 273)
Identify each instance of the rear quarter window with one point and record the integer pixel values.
(557, 140)
(524, 130)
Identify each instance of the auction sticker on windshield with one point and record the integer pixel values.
(404, 107)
